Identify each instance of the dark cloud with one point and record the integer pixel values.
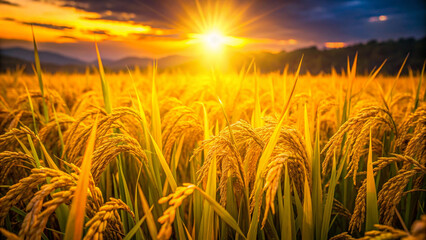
(136, 10)
(69, 37)
(9, 3)
(8, 19)
(99, 32)
(45, 25)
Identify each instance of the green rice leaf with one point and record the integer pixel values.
(371, 195)
(156, 119)
(329, 202)
(135, 228)
(104, 83)
(225, 216)
(171, 180)
(257, 120)
(317, 186)
(40, 79)
(307, 223)
(287, 205)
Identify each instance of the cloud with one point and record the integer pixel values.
(69, 37)
(8, 19)
(116, 16)
(126, 10)
(5, 2)
(380, 18)
(99, 32)
(335, 44)
(44, 25)
(47, 25)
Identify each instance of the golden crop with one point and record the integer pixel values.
(212, 156)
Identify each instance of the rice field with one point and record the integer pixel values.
(142, 154)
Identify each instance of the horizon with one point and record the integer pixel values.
(156, 29)
(324, 48)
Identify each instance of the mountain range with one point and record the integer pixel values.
(370, 55)
(11, 57)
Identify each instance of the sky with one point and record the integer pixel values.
(158, 28)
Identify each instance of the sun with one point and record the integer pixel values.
(214, 41)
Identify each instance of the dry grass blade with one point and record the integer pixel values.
(74, 229)
(397, 76)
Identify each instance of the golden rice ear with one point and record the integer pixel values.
(391, 193)
(229, 158)
(106, 214)
(356, 131)
(39, 209)
(76, 136)
(413, 120)
(14, 163)
(50, 135)
(180, 121)
(385, 231)
(110, 147)
(36, 219)
(23, 190)
(358, 215)
(10, 140)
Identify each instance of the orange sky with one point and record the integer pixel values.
(67, 26)
(157, 28)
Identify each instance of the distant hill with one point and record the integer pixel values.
(370, 55)
(165, 62)
(128, 61)
(53, 62)
(45, 56)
